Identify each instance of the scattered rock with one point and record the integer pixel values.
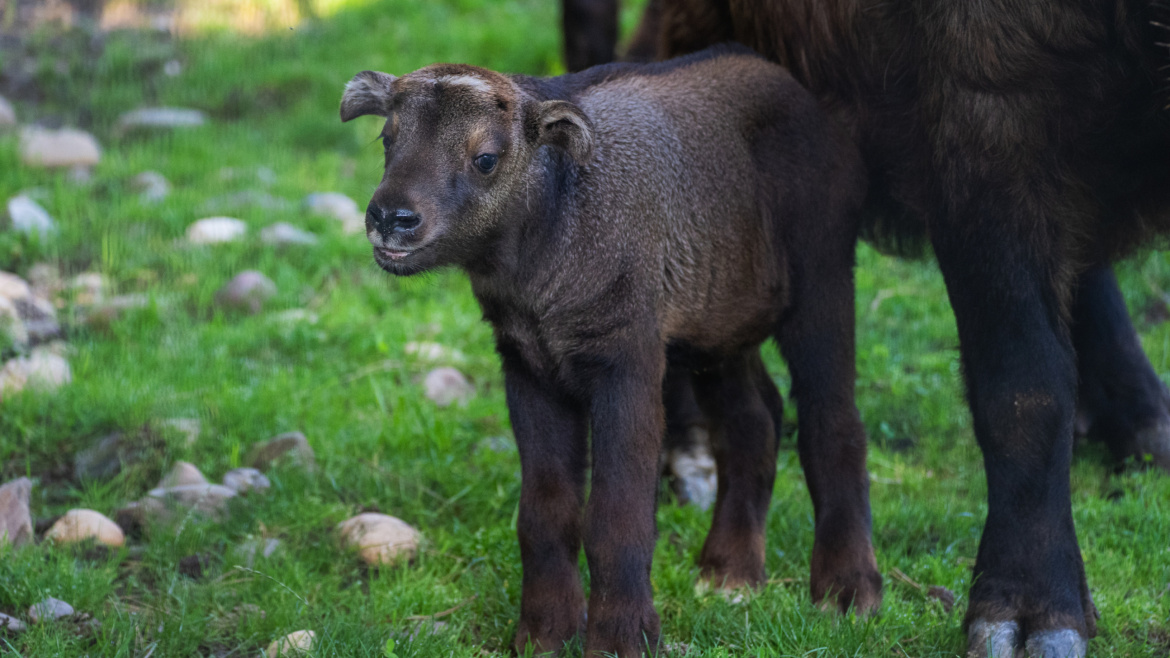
(209, 499)
(290, 445)
(942, 595)
(693, 472)
(13, 287)
(137, 516)
(434, 352)
(7, 114)
(151, 186)
(182, 474)
(81, 524)
(265, 548)
(425, 627)
(12, 329)
(27, 216)
(66, 147)
(283, 234)
(379, 538)
(297, 643)
(243, 480)
(15, 521)
(188, 428)
(295, 316)
(41, 370)
(263, 175)
(446, 385)
(103, 460)
(11, 625)
(169, 118)
(45, 280)
(214, 230)
(40, 319)
(333, 204)
(50, 609)
(247, 291)
(106, 311)
(88, 288)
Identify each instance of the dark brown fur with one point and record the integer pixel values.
(691, 208)
(1029, 143)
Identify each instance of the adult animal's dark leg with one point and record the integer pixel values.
(745, 450)
(551, 437)
(627, 426)
(1121, 398)
(1004, 284)
(590, 29)
(687, 462)
(816, 338)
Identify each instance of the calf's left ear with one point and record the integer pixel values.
(368, 93)
(564, 125)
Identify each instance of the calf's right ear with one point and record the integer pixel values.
(368, 93)
(564, 125)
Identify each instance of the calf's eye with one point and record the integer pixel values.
(485, 162)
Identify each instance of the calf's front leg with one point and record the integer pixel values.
(551, 437)
(627, 422)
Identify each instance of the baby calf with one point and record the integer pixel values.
(613, 220)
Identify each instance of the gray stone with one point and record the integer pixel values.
(243, 480)
(45, 280)
(41, 370)
(247, 291)
(58, 148)
(333, 204)
(165, 118)
(13, 287)
(101, 461)
(13, 333)
(11, 625)
(210, 499)
(151, 186)
(447, 385)
(182, 474)
(7, 114)
(88, 288)
(290, 445)
(106, 311)
(283, 234)
(15, 521)
(27, 216)
(213, 230)
(40, 319)
(50, 609)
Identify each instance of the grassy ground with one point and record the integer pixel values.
(346, 382)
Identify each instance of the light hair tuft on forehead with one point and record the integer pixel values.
(466, 80)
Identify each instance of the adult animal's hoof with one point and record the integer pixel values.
(1152, 445)
(1003, 639)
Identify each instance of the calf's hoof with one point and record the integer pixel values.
(1152, 445)
(548, 635)
(623, 635)
(1003, 639)
(850, 582)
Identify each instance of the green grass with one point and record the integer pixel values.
(348, 385)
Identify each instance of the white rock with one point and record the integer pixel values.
(213, 230)
(283, 233)
(210, 499)
(243, 480)
(13, 287)
(332, 204)
(45, 280)
(151, 186)
(49, 609)
(297, 643)
(354, 225)
(27, 216)
(88, 288)
(247, 291)
(11, 625)
(188, 428)
(12, 330)
(42, 370)
(446, 385)
(58, 148)
(380, 538)
(7, 114)
(82, 524)
(160, 117)
(181, 474)
(695, 474)
(15, 521)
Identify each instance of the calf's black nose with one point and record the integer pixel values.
(388, 221)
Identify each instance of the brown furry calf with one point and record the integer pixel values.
(612, 220)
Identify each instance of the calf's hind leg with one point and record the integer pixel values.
(738, 397)
(1120, 395)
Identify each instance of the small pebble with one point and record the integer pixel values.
(49, 609)
(297, 643)
(333, 204)
(282, 234)
(215, 230)
(243, 480)
(11, 625)
(15, 521)
(66, 147)
(160, 118)
(247, 291)
(380, 538)
(290, 445)
(447, 385)
(152, 186)
(182, 473)
(211, 499)
(42, 370)
(27, 216)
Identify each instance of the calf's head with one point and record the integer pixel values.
(459, 143)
